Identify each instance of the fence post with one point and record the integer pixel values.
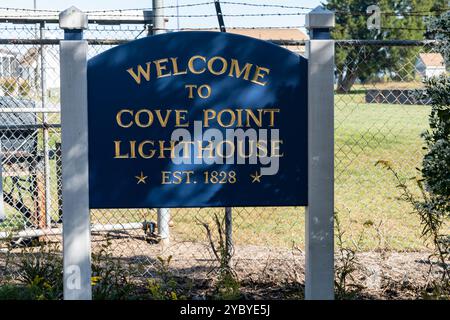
(229, 232)
(163, 213)
(75, 176)
(58, 180)
(45, 129)
(319, 277)
(2, 207)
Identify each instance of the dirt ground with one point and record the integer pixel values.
(266, 272)
(278, 273)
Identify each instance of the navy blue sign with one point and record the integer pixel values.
(197, 119)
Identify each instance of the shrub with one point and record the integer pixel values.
(41, 272)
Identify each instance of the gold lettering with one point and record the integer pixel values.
(137, 118)
(191, 88)
(220, 146)
(261, 145)
(188, 176)
(117, 154)
(140, 71)
(191, 64)
(250, 114)
(201, 149)
(186, 145)
(276, 144)
(133, 149)
(119, 118)
(199, 64)
(208, 91)
(237, 71)
(260, 73)
(162, 121)
(176, 72)
(165, 177)
(208, 115)
(232, 118)
(141, 149)
(177, 179)
(181, 115)
(272, 115)
(160, 67)
(239, 118)
(211, 66)
(163, 148)
(241, 149)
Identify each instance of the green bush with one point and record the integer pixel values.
(436, 163)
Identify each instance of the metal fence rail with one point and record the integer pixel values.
(263, 238)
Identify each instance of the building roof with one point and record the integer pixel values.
(432, 59)
(30, 56)
(271, 34)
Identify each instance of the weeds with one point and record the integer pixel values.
(346, 264)
(227, 286)
(110, 278)
(165, 285)
(40, 273)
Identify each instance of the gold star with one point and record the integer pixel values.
(141, 178)
(256, 177)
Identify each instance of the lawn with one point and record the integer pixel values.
(366, 195)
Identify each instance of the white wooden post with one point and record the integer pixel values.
(75, 182)
(319, 278)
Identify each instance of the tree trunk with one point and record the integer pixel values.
(345, 83)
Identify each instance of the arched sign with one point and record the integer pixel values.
(197, 119)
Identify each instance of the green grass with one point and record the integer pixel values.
(366, 196)
(366, 133)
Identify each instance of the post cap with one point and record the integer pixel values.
(148, 15)
(73, 18)
(319, 17)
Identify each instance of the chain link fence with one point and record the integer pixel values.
(376, 118)
(379, 118)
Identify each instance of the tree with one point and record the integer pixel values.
(436, 162)
(402, 19)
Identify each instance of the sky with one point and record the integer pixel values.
(185, 22)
